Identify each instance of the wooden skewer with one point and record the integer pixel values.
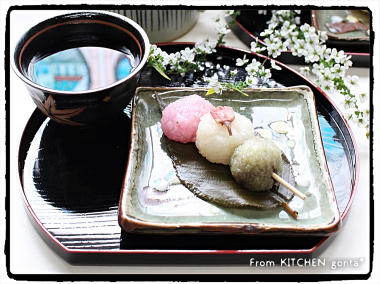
(289, 186)
(289, 210)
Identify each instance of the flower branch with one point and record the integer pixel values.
(284, 32)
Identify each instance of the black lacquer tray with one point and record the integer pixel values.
(250, 23)
(71, 182)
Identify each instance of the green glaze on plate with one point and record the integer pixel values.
(154, 201)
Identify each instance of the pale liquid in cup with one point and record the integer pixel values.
(81, 69)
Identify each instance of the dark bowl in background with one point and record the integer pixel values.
(90, 108)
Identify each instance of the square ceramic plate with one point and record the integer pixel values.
(152, 202)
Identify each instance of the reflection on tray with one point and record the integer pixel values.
(70, 169)
(213, 242)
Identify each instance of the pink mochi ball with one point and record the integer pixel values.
(180, 119)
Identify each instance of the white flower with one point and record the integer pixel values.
(311, 32)
(360, 122)
(312, 40)
(264, 12)
(312, 55)
(366, 113)
(187, 55)
(338, 70)
(318, 69)
(346, 60)
(274, 65)
(327, 86)
(283, 45)
(205, 46)
(352, 80)
(349, 102)
(363, 97)
(221, 28)
(274, 49)
(349, 115)
(283, 13)
(328, 75)
(322, 36)
(317, 81)
(255, 47)
(354, 119)
(272, 39)
(293, 33)
(324, 76)
(268, 31)
(253, 67)
(234, 72)
(154, 49)
(348, 64)
(336, 56)
(299, 48)
(305, 70)
(218, 88)
(308, 31)
(251, 80)
(241, 62)
(174, 57)
(287, 28)
(305, 28)
(165, 59)
(323, 51)
(291, 42)
(265, 72)
(157, 51)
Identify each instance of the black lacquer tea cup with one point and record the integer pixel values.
(89, 107)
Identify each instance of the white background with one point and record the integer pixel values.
(31, 255)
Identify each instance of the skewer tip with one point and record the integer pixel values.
(293, 213)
